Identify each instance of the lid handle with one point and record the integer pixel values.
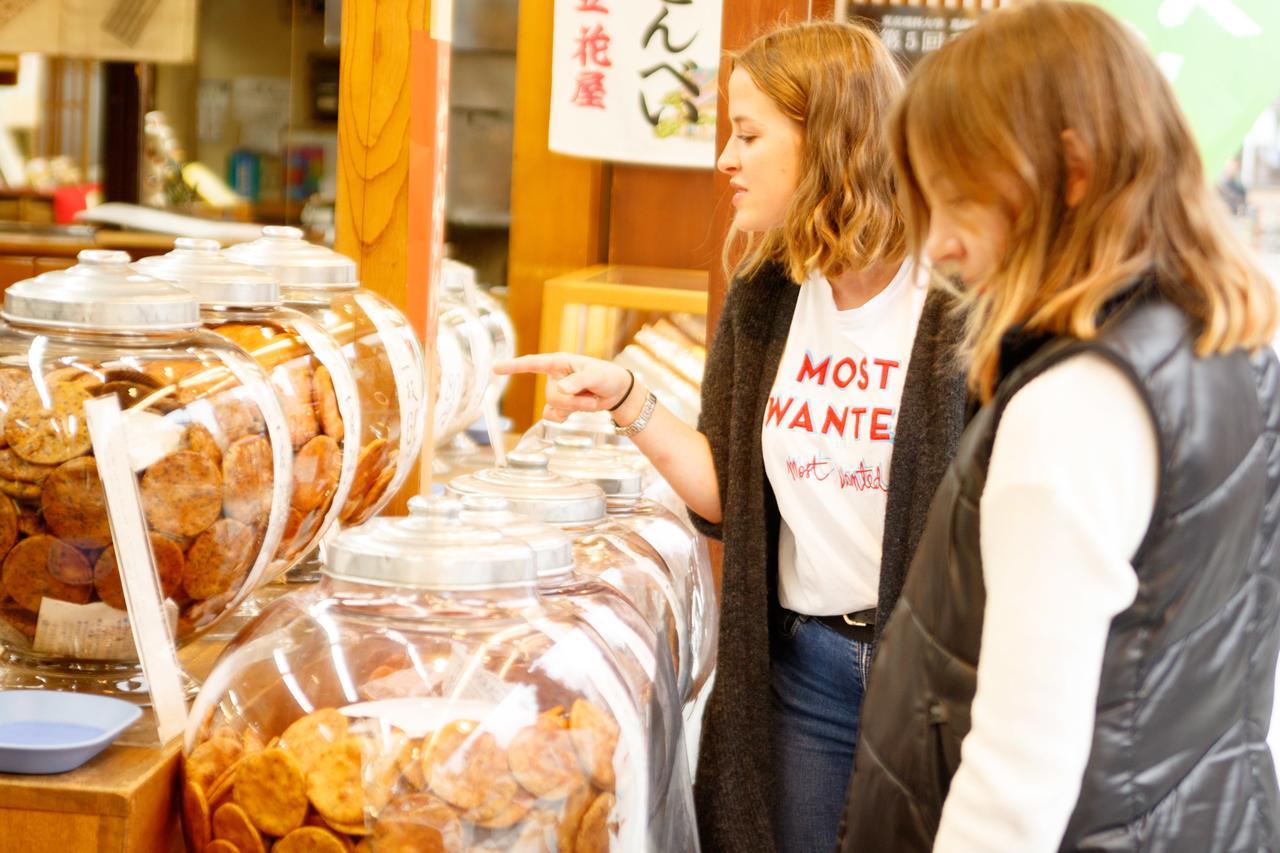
(197, 244)
(103, 257)
(435, 507)
(524, 460)
(484, 503)
(284, 232)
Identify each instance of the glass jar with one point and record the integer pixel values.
(683, 551)
(423, 697)
(641, 657)
(597, 429)
(477, 362)
(603, 548)
(313, 382)
(206, 440)
(379, 345)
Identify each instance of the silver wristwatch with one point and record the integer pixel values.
(641, 421)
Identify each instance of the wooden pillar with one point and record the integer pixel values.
(742, 21)
(393, 103)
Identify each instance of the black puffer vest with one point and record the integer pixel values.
(1179, 760)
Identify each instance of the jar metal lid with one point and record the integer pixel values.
(101, 293)
(552, 549)
(434, 548)
(577, 457)
(535, 491)
(283, 253)
(201, 267)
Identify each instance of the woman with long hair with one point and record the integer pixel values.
(829, 356)
(1091, 619)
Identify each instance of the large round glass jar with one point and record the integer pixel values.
(206, 441)
(378, 344)
(603, 549)
(423, 697)
(684, 552)
(312, 381)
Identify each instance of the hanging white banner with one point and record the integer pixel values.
(635, 80)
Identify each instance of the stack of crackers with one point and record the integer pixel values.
(323, 785)
(206, 503)
(316, 429)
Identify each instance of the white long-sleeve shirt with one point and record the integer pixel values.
(1068, 499)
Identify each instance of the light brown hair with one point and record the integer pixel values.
(996, 101)
(837, 81)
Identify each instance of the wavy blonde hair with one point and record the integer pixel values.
(996, 102)
(837, 81)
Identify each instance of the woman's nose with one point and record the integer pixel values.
(727, 161)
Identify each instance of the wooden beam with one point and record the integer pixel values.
(393, 76)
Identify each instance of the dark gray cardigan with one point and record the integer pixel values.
(735, 788)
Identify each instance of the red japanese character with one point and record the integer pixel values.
(591, 6)
(590, 90)
(593, 47)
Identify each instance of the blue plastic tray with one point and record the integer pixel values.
(45, 731)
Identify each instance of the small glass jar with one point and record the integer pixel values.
(641, 656)
(597, 429)
(603, 548)
(207, 442)
(422, 696)
(683, 551)
(312, 381)
(379, 345)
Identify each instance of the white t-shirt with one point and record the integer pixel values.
(828, 437)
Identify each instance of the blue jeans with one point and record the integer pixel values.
(818, 679)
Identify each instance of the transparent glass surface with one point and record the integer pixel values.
(406, 719)
(316, 390)
(387, 362)
(198, 416)
(689, 567)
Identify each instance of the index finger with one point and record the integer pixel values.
(556, 365)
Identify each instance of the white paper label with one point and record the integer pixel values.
(409, 368)
(465, 676)
(94, 631)
(151, 437)
(344, 388)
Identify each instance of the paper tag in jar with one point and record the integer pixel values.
(151, 437)
(94, 631)
(465, 677)
(409, 368)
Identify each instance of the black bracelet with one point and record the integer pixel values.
(630, 388)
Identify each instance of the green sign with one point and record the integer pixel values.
(1223, 57)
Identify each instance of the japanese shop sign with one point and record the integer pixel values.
(910, 32)
(635, 80)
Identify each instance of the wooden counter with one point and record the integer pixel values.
(124, 800)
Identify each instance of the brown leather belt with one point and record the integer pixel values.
(860, 626)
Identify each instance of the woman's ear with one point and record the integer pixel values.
(1079, 166)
